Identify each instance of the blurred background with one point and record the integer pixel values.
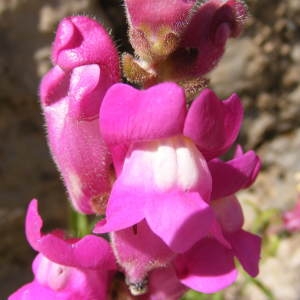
(262, 66)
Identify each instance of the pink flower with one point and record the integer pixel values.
(159, 151)
(86, 65)
(291, 218)
(66, 268)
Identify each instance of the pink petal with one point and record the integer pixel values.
(54, 86)
(82, 41)
(238, 151)
(87, 87)
(180, 219)
(89, 252)
(208, 267)
(217, 233)
(256, 167)
(291, 218)
(155, 13)
(125, 208)
(81, 156)
(246, 247)
(164, 285)
(138, 251)
(73, 132)
(155, 26)
(207, 33)
(213, 124)
(129, 115)
(33, 290)
(229, 177)
(229, 213)
(55, 281)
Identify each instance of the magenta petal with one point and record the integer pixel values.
(238, 151)
(82, 41)
(138, 251)
(291, 218)
(34, 290)
(81, 156)
(125, 208)
(154, 13)
(55, 281)
(67, 36)
(255, 168)
(229, 213)
(89, 252)
(128, 115)
(232, 13)
(213, 124)
(208, 267)
(180, 219)
(246, 247)
(155, 26)
(54, 86)
(85, 92)
(210, 27)
(217, 233)
(164, 285)
(229, 177)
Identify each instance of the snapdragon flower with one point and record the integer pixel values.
(163, 176)
(85, 66)
(208, 266)
(66, 268)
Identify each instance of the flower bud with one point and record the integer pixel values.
(155, 26)
(203, 42)
(71, 94)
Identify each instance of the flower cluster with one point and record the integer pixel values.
(144, 159)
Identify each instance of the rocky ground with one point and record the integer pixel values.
(263, 67)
